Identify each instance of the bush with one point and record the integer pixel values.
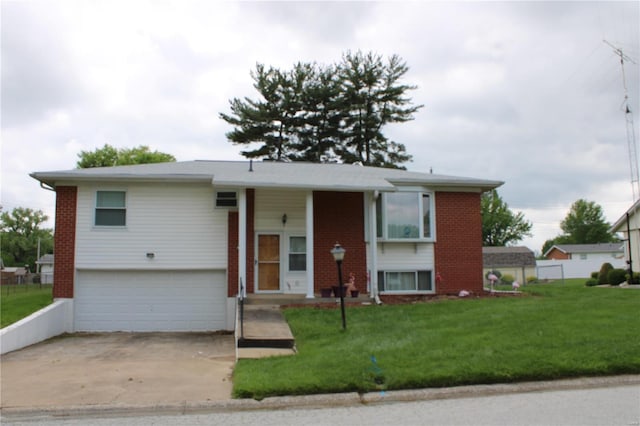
(532, 280)
(507, 279)
(635, 279)
(617, 276)
(603, 276)
(591, 282)
(595, 274)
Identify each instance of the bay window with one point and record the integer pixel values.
(404, 216)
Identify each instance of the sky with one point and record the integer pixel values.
(523, 92)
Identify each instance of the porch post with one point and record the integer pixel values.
(373, 245)
(309, 238)
(242, 241)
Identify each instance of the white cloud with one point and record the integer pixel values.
(523, 92)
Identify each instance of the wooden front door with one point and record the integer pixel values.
(268, 262)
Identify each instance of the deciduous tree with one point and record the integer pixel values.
(584, 224)
(500, 226)
(21, 230)
(108, 156)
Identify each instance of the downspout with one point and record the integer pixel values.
(629, 246)
(373, 238)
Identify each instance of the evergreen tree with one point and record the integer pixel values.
(374, 97)
(325, 114)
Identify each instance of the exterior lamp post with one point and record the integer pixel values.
(338, 254)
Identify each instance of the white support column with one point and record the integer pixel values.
(242, 240)
(309, 238)
(373, 246)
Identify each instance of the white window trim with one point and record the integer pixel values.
(288, 248)
(419, 194)
(95, 208)
(408, 292)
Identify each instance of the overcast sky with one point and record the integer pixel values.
(523, 92)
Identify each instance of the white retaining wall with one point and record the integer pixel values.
(574, 268)
(53, 320)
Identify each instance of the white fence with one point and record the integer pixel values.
(574, 268)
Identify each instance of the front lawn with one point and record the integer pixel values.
(552, 331)
(20, 301)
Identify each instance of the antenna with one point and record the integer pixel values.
(631, 133)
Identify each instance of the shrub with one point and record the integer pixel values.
(635, 279)
(603, 276)
(617, 276)
(595, 274)
(532, 280)
(591, 282)
(507, 279)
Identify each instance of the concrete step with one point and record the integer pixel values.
(264, 326)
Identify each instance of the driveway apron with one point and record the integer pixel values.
(119, 368)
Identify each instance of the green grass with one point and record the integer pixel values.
(20, 301)
(552, 331)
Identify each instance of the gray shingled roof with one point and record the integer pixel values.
(507, 256)
(344, 177)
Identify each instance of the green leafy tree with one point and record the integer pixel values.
(325, 113)
(500, 226)
(21, 230)
(108, 156)
(584, 224)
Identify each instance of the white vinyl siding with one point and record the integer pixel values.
(270, 206)
(178, 223)
(404, 256)
(403, 264)
(150, 301)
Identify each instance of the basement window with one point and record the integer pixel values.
(405, 282)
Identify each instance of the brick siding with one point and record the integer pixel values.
(458, 250)
(232, 247)
(338, 217)
(64, 241)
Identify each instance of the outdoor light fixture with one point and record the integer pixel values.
(151, 255)
(284, 219)
(338, 255)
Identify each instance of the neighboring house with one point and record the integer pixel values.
(629, 226)
(13, 275)
(45, 268)
(519, 262)
(169, 246)
(579, 260)
(602, 252)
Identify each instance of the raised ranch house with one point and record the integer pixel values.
(169, 246)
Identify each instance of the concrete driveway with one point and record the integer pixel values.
(119, 369)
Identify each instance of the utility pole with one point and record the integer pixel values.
(631, 133)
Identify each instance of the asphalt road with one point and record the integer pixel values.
(615, 405)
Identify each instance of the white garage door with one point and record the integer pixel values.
(150, 301)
